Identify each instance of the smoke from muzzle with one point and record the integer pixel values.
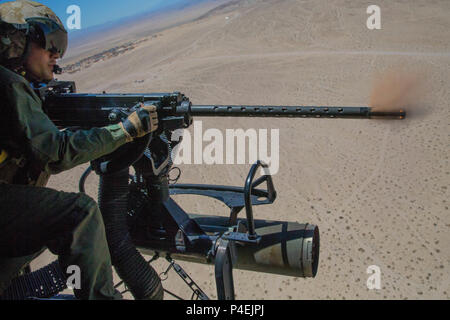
(400, 88)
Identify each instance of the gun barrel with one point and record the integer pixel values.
(292, 112)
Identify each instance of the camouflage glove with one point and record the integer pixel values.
(141, 122)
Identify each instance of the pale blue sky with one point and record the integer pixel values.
(97, 12)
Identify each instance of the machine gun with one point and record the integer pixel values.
(141, 216)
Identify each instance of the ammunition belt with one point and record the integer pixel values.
(43, 283)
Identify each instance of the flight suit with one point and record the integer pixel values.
(33, 217)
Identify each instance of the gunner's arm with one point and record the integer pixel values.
(57, 150)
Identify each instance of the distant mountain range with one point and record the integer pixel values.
(78, 37)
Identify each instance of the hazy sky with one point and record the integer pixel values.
(96, 12)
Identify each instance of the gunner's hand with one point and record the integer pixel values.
(141, 122)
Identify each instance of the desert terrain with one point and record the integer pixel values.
(378, 190)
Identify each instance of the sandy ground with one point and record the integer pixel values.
(378, 190)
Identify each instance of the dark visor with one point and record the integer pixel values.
(55, 37)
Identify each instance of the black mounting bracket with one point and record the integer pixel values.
(236, 198)
(224, 260)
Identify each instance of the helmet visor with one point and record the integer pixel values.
(55, 38)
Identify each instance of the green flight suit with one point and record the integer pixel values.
(32, 217)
